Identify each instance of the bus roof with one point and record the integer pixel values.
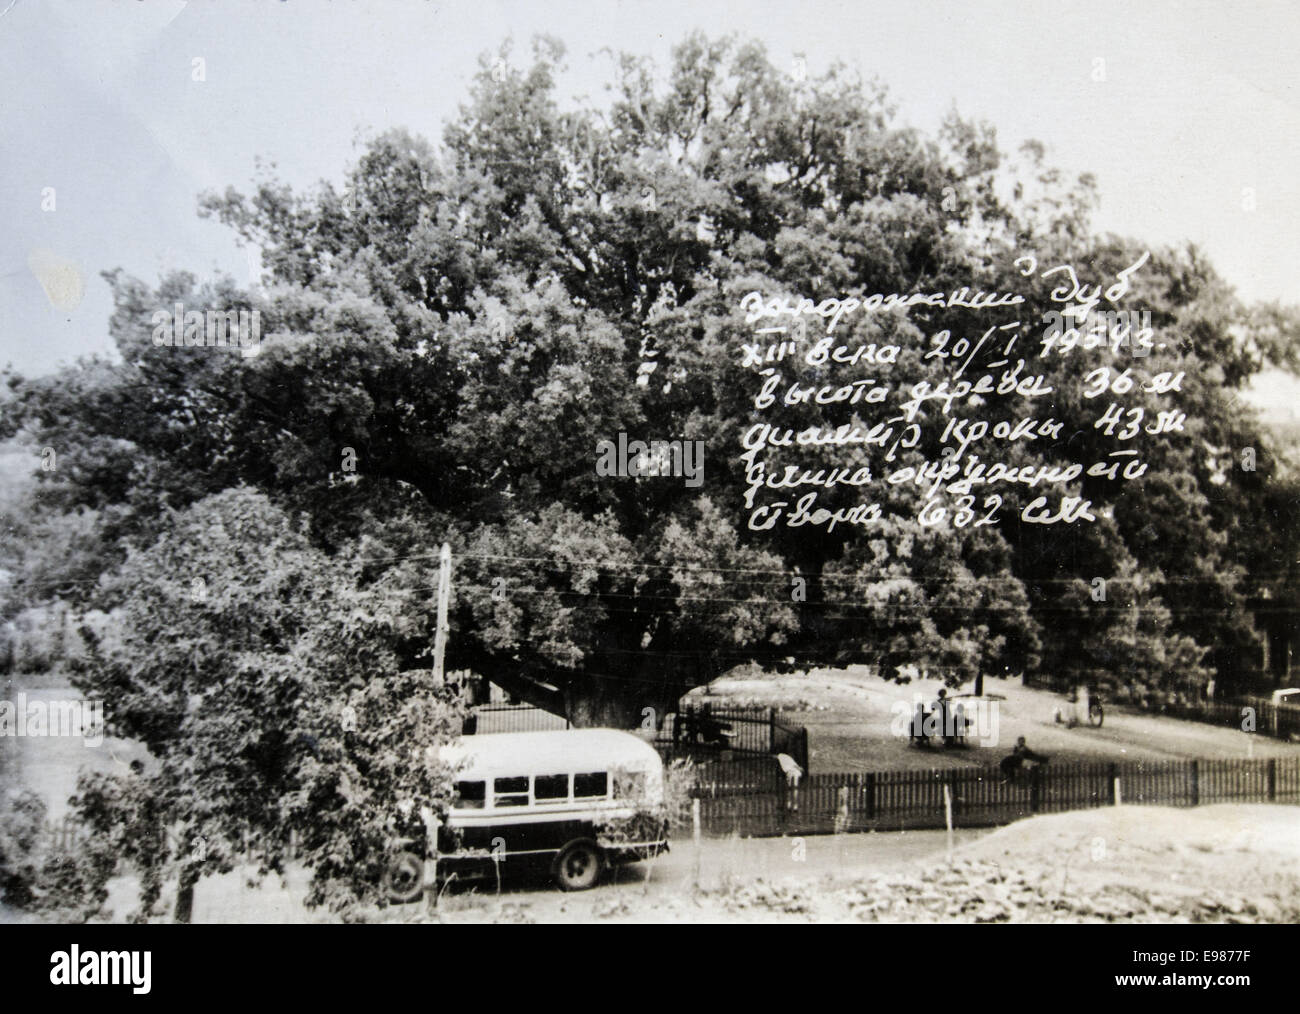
(544, 753)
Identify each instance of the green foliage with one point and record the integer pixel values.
(263, 676)
(57, 880)
(679, 781)
(21, 828)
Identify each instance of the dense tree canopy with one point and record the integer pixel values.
(449, 337)
(264, 678)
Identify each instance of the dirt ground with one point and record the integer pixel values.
(1144, 864)
(1216, 864)
(1140, 865)
(851, 719)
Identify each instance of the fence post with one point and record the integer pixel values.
(1271, 769)
(1112, 782)
(695, 836)
(947, 814)
(430, 871)
(1035, 793)
(1196, 782)
(771, 730)
(870, 793)
(842, 810)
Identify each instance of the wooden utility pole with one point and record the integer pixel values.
(429, 818)
(444, 600)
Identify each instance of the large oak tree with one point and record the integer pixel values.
(449, 337)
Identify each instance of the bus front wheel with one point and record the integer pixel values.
(404, 878)
(578, 866)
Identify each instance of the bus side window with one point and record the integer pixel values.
(510, 791)
(591, 786)
(551, 788)
(470, 795)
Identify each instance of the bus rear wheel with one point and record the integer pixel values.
(578, 866)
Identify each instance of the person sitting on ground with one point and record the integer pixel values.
(1021, 753)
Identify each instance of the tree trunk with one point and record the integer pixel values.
(590, 707)
(185, 896)
(618, 704)
(638, 697)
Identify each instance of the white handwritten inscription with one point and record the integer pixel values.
(985, 401)
(833, 310)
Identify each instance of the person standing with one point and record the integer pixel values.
(941, 714)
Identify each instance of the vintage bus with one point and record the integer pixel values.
(570, 803)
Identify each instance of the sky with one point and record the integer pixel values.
(1188, 114)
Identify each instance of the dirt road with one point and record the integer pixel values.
(722, 865)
